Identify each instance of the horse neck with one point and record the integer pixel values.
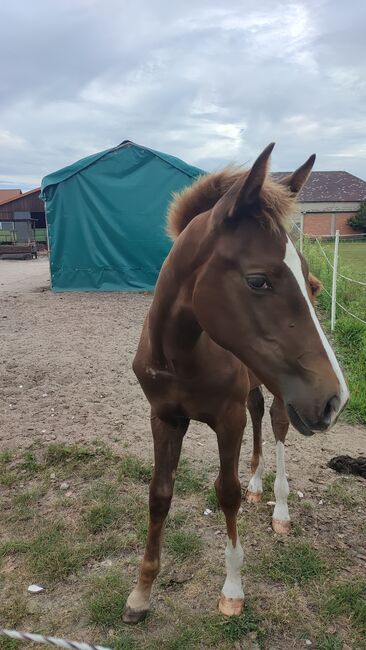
(173, 326)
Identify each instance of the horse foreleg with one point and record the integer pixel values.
(229, 435)
(168, 437)
(280, 424)
(255, 406)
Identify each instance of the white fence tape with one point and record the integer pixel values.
(49, 640)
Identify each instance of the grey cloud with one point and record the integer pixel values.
(208, 81)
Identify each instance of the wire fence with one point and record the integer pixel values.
(334, 265)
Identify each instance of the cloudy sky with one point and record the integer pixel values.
(206, 80)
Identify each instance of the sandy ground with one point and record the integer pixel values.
(66, 376)
(24, 275)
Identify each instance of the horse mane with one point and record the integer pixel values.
(277, 203)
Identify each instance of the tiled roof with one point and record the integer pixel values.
(330, 186)
(7, 195)
(4, 200)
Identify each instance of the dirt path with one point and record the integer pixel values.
(66, 375)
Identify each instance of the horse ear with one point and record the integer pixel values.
(315, 285)
(296, 180)
(245, 191)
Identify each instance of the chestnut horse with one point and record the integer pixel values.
(280, 425)
(232, 295)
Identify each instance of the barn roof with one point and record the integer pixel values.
(20, 196)
(67, 172)
(330, 186)
(6, 195)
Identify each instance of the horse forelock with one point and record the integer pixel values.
(276, 206)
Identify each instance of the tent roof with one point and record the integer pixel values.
(66, 172)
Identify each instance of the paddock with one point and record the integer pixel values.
(76, 455)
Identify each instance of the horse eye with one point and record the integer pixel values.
(258, 282)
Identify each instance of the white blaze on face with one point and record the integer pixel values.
(281, 488)
(292, 260)
(234, 559)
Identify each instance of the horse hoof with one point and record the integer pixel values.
(230, 606)
(253, 497)
(281, 527)
(133, 616)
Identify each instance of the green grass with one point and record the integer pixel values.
(295, 563)
(349, 599)
(106, 600)
(342, 492)
(189, 480)
(57, 454)
(268, 486)
(6, 456)
(237, 627)
(183, 544)
(13, 548)
(328, 641)
(101, 516)
(211, 499)
(133, 468)
(54, 554)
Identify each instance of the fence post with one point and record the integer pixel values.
(301, 232)
(334, 282)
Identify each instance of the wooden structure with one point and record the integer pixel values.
(22, 225)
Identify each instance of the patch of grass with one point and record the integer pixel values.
(188, 480)
(13, 612)
(135, 469)
(306, 505)
(13, 548)
(296, 529)
(268, 485)
(291, 564)
(54, 554)
(340, 492)
(183, 544)
(27, 498)
(349, 599)
(237, 627)
(8, 644)
(328, 641)
(124, 642)
(101, 516)
(211, 499)
(29, 463)
(6, 456)
(8, 477)
(106, 601)
(176, 521)
(188, 638)
(107, 545)
(57, 454)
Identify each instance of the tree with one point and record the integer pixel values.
(358, 221)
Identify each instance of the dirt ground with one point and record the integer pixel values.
(66, 376)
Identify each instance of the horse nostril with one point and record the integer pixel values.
(330, 407)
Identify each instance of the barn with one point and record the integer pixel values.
(327, 200)
(22, 223)
(106, 218)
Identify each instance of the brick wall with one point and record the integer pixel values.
(324, 224)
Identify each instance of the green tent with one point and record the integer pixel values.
(106, 218)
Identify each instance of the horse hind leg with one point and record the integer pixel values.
(280, 425)
(229, 435)
(168, 438)
(255, 405)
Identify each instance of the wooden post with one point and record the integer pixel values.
(334, 282)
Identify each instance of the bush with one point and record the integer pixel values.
(358, 221)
